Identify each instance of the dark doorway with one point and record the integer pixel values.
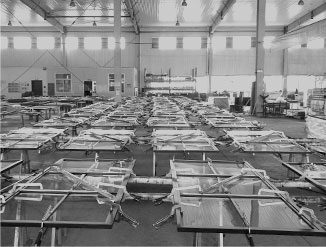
(37, 88)
(88, 88)
(51, 89)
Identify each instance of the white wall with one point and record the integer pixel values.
(89, 64)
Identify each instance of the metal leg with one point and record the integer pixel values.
(22, 116)
(197, 239)
(17, 229)
(154, 163)
(26, 162)
(74, 131)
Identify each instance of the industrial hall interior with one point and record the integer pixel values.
(163, 123)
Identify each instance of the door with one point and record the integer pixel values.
(88, 88)
(51, 89)
(37, 88)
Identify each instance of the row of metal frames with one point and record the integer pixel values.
(207, 197)
(167, 114)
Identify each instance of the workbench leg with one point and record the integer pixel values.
(204, 156)
(26, 163)
(197, 239)
(17, 229)
(305, 158)
(22, 115)
(154, 164)
(74, 131)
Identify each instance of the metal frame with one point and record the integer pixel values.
(11, 164)
(107, 224)
(313, 181)
(36, 143)
(282, 140)
(118, 144)
(60, 123)
(185, 150)
(315, 231)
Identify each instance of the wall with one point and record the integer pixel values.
(94, 64)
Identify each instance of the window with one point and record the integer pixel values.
(22, 43)
(63, 83)
(229, 42)
(111, 43)
(219, 43)
(13, 87)
(92, 43)
(4, 42)
(155, 43)
(316, 44)
(204, 42)
(71, 43)
(241, 42)
(167, 43)
(111, 82)
(122, 43)
(268, 41)
(192, 43)
(45, 42)
(180, 43)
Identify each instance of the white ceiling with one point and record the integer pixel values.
(152, 13)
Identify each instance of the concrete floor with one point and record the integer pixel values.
(146, 213)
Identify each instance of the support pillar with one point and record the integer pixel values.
(210, 63)
(138, 62)
(285, 72)
(64, 50)
(117, 50)
(257, 102)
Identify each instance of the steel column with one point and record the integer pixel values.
(285, 72)
(117, 50)
(260, 56)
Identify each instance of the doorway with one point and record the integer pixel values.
(50, 89)
(88, 88)
(37, 87)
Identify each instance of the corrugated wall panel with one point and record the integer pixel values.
(307, 62)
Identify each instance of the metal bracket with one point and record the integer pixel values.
(2, 201)
(311, 213)
(23, 185)
(167, 218)
(274, 192)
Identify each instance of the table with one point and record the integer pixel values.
(233, 197)
(81, 193)
(64, 122)
(99, 140)
(314, 173)
(7, 165)
(181, 141)
(26, 139)
(268, 142)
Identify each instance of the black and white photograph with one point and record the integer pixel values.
(163, 123)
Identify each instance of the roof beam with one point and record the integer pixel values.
(310, 15)
(40, 11)
(220, 15)
(131, 11)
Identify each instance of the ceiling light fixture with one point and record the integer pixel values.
(9, 23)
(301, 2)
(177, 23)
(72, 3)
(184, 3)
(94, 24)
